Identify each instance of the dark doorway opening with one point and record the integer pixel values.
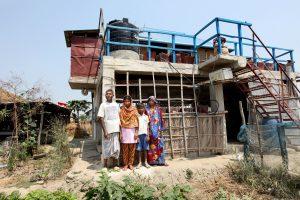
(232, 96)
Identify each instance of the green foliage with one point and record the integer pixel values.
(4, 113)
(39, 195)
(78, 106)
(273, 181)
(12, 158)
(61, 157)
(13, 196)
(135, 190)
(221, 195)
(106, 189)
(189, 174)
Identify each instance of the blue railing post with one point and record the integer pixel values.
(292, 60)
(173, 49)
(235, 49)
(149, 48)
(240, 39)
(218, 36)
(274, 62)
(195, 50)
(107, 44)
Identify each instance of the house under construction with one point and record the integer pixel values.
(199, 79)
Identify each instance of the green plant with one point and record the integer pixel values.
(177, 192)
(189, 174)
(12, 196)
(12, 158)
(106, 189)
(4, 113)
(135, 190)
(221, 195)
(61, 157)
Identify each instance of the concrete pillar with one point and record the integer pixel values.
(216, 93)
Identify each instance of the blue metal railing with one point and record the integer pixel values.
(238, 41)
(149, 46)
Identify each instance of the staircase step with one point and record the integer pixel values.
(268, 104)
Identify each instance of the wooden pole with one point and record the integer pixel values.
(127, 83)
(197, 115)
(242, 112)
(154, 86)
(183, 119)
(41, 126)
(169, 112)
(140, 90)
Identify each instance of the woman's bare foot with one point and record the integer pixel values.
(130, 167)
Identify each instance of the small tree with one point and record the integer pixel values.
(78, 106)
(26, 102)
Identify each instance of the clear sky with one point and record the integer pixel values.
(32, 41)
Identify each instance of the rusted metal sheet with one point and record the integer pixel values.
(85, 54)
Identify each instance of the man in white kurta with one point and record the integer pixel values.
(110, 123)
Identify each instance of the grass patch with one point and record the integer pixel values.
(39, 195)
(272, 181)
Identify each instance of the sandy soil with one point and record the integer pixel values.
(208, 174)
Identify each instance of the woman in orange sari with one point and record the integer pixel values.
(129, 131)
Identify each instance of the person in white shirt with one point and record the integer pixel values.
(143, 136)
(108, 115)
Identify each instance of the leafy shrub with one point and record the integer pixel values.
(134, 190)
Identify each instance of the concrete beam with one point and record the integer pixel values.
(147, 67)
(79, 82)
(223, 61)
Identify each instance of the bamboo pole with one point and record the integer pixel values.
(41, 126)
(197, 115)
(154, 84)
(182, 116)
(140, 90)
(127, 83)
(169, 111)
(258, 135)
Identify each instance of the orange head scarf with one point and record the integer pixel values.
(129, 117)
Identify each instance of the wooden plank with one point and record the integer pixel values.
(169, 108)
(182, 116)
(154, 85)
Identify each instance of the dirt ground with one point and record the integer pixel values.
(209, 174)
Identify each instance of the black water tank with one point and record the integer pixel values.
(126, 36)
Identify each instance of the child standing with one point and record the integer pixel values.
(109, 120)
(129, 131)
(143, 137)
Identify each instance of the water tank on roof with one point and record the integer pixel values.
(124, 36)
